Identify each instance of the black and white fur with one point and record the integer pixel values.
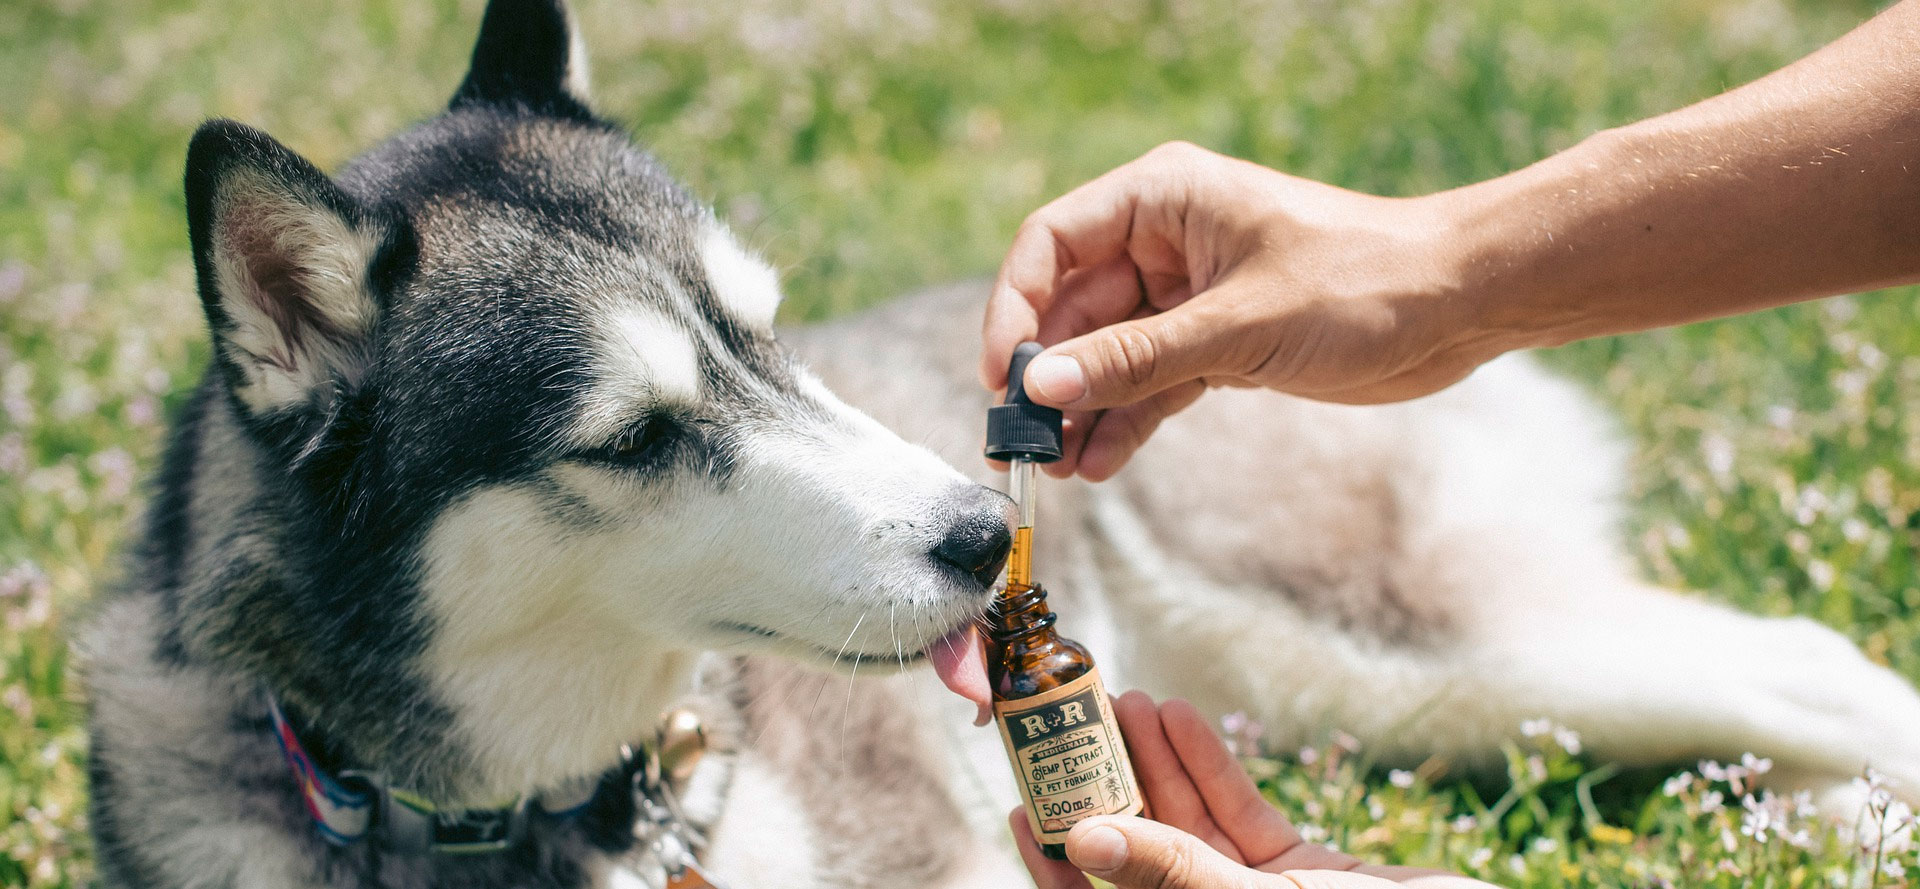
(495, 447)
(498, 457)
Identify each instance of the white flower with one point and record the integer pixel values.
(1534, 728)
(1851, 382)
(1893, 868)
(1466, 824)
(1400, 778)
(1678, 784)
(1712, 771)
(1517, 864)
(1309, 756)
(1568, 739)
(1719, 454)
(1896, 829)
(1820, 573)
(1869, 788)
(1242, 733)
(1758, 817)
(1479, 858)
(1312, 833)
(1756, 765)
(1545, 845)
(1712, 801)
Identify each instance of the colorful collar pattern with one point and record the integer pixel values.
(353, 806)
(342, 816)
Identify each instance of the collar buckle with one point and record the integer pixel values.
(408, 824)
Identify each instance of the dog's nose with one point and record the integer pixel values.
(978, 539)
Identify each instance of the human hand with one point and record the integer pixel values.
(1185, 269)
(1214, 830)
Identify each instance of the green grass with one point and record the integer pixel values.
(875, 145)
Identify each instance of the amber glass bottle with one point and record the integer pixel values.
(1054, 715)
(1056, 720)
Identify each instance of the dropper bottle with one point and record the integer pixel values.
(1053, 713)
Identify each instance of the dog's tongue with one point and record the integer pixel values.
(960, 661)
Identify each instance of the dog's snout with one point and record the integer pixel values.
(977, 540)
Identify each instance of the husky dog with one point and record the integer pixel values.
(495, 443)
(498, 457)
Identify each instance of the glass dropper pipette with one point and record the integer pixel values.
(1023, 434)
(1020, 487)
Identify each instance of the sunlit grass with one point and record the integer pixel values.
(873, 145)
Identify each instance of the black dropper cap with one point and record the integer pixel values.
(1020, 428)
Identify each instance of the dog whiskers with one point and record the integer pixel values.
(846, 711)
(893, 632)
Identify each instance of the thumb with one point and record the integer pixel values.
(1134, 853)
(1130, 361)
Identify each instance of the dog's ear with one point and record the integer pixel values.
(529, 55)
(291, 270)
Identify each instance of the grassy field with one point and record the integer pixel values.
(872, 145)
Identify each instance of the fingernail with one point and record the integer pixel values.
(1057, 378)
(1100, 849)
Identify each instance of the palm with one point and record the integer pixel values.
(1193, 783)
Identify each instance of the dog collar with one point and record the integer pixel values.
(355, 806)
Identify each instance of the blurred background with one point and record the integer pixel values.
(870, 146)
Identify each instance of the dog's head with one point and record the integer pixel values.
(511, 352)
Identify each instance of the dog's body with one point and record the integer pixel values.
(498, 458)
(1425, 576)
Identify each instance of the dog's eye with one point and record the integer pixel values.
(639, 442)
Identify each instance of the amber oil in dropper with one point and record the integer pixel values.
(1052, 711)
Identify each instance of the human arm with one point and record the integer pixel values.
(1185, 269)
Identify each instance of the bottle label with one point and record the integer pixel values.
(1068, 756)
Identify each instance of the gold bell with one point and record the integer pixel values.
(682, 741)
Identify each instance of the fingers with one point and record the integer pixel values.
(1121, 431)
(1081, 229)
(1047, 873)
(1438, 881)
(1133, 853)
(1334, 879)
(1170, 793)
(1417, 876)
(1208, 817)
(1090, 299)
(1252, 824)
(1138, 208)
(1127, 362)
(1074, 429)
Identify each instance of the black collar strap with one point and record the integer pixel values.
(357, 806)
